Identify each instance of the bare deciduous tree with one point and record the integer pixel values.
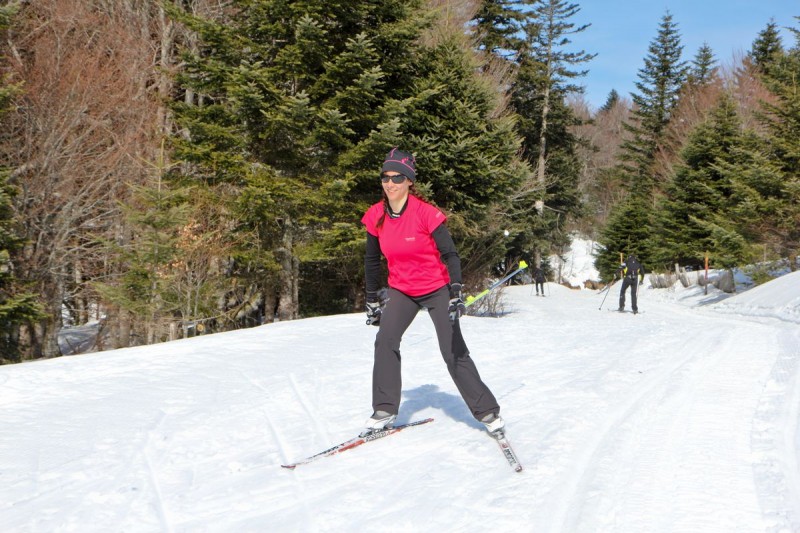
(601, 134)
(86, 121)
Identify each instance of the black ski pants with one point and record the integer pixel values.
(396, 317)
(633, 283)
(539, 284)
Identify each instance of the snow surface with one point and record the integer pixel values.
(577, 264)
(683, 418)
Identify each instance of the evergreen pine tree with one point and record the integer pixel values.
(695, 216)
(703, 67)
(659, 85)
(466, 147)
(471, 163)
(546, 76)
(621, 237)
(452, 118)
(289, 93)
(767, 48)
(611, 100)
(16, 306)
(496, 25)
(759, 197)
(782, 120)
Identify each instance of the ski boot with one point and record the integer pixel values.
(494, 424)
(378, 421)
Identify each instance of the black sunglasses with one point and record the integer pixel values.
(397, 178)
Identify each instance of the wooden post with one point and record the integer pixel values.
(706, 264)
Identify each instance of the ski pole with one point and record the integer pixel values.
(472, 299)
(608, 289)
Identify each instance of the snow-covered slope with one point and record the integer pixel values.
(780, 298)
(683, 418)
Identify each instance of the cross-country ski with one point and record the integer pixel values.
(355, 442)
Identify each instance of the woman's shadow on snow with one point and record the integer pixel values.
(416, 400)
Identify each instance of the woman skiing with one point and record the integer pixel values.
(424, 273)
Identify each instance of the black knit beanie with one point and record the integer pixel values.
(402, 162)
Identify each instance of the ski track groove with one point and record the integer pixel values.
(277, 437)
(564, 510)
(298, 486)
(309, 409)
(304, 403)
(771, 432)
(351, 460)
(307, 480)
(568, 512)
(159, 497)
(782, 435)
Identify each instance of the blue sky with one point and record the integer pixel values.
(621, 31)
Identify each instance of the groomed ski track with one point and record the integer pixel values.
(681, 419)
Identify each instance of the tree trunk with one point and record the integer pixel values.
(270, 305)
(81, 301)
(50, 326)
(121, 329)
(290, 272)
(540, 167)
(542, 160)
(165, 62)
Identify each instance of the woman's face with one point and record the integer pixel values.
(395, 191)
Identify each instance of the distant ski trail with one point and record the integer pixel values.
(662, 415)
(565, 516)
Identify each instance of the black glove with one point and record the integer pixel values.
(456, 307)
(373, 309)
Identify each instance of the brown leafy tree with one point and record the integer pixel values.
(601, 135)
(88, 118)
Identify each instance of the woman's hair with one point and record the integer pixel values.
(412, 190)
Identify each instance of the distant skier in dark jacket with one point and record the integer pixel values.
(632, 273)
(539, 279)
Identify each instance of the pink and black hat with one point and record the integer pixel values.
(402, 162)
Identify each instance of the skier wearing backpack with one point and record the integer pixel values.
(539, 279)
(631, 273)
